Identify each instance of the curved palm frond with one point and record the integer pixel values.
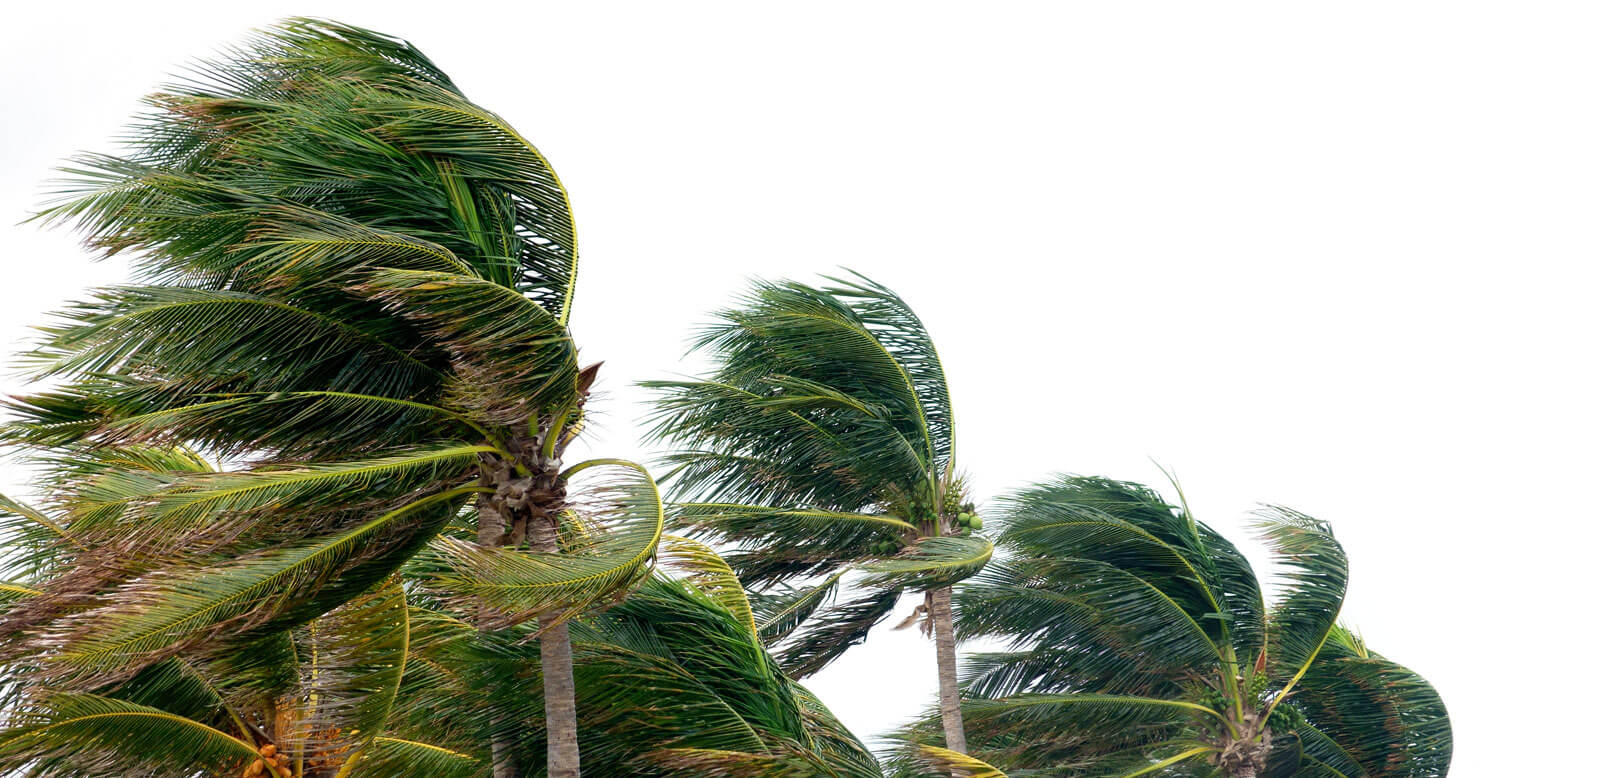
(623, 521)
(162, 614)
(86, 734)
(1307, 614)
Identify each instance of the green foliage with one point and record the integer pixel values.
(1137, 636)
(821, 443)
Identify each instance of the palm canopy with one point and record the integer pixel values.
(1141, 644)
(352, 285)
(822, 443)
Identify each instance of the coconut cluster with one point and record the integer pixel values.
(271, 763)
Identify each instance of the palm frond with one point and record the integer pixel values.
(931, 562)
(1317, 572)
(388, 757)
(512, 358)
(270, 590)
(833, 630)
(227, 336)
(85, 734)
(778, 614)
(626, 521)
(709, 573)
(955, 764)
(355, 660)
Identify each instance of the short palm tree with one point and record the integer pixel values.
(822, 443)
(353, 286)
(1142, 645)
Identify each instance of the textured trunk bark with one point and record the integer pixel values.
(555, 657)
(502, 757)
(560, 702)
(944, 640)
(1247, 771)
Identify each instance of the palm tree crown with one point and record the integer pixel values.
(1141, 644)
(353, 285)
(823, 443)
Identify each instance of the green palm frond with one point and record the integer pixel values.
(709, 573)
(35, 544)
(716, 763)
(293, 425)
(833, 630)
(779, 613)
(354, 660)
(1307, 614)
(766, 536)
(1110, 593)
(222, 335)
(931, 562)
(625, 520)
(857, 338)
(512, 358)
(85, 734)
(349, 122)
(1106, 616)
(761, 443)
(202, 498)
(162, 614)
(388, 757)
(1383, 716)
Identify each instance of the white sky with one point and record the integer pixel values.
(1337, 258)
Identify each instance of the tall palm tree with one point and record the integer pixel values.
(1141, 644)
(823, 443)
(353, 285)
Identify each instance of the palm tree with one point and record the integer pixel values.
(822, 443)
(353, 286)
(672, 682)
(1141, 644)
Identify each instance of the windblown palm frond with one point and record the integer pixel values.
(1139, 645)
(313, 700)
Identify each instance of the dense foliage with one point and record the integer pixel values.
(303, 507)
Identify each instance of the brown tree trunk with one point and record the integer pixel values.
(944, 640)
(502, 757)
(560, 702)
(560, 692)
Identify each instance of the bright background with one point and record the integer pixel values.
(1339, 258)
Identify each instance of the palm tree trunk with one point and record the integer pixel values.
(560, 692)
(944, 641)
(502, 757)
(560, 701)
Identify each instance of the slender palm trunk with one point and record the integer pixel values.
(944, 640)
(560, 702)
(502, 757)
(555, 658)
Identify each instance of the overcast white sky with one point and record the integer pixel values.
(1340, 258)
